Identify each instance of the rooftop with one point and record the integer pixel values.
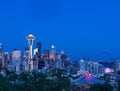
(30, 36)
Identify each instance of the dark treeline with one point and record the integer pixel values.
(33, 81)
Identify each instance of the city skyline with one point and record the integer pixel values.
(53, 46)
(81, 29)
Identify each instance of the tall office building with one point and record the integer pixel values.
(53, 49)
(43, 59)
(35, 63)
(30, 39)
(52, 56)
(38, 46)
(46, 55)
(16, 60)
(52, 52)
(37, 56)
(1, 54)
(25, 65)
(58, 63)
(7, 59)
(64, 59)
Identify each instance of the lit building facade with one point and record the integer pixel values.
(58, 64)
(64, 59)
(52, 52)
(16, 60)
(1, 55)
(38, 46)
(94, 68)
(82, 66)
(37, 56)
(46, 55)
(25, 63)
(7, 59)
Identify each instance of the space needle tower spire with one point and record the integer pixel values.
(30, 39)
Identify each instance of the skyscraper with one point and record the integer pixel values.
(30, 39)
(53, 49)
(43, 59)
(64, 59)
(37, 56)
(7, 59)
(16, 60)
(25, 65)
(39, 48)
(52, 52)
(1, 54)
(46, 55)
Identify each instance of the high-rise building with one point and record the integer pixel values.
(35, 63)
(7, 59)
(58, 63)
(16, 60)
(1, 54)
(64, 59)
(46, 55)
(30, 39)
(37, 56)
(44, 59)
(52, 52)
(38, 46)
(25, 65)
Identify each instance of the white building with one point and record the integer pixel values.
(94, 68)
(82, 67)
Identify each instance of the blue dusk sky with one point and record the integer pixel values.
(82, 28)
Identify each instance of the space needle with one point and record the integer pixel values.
(30, 39)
